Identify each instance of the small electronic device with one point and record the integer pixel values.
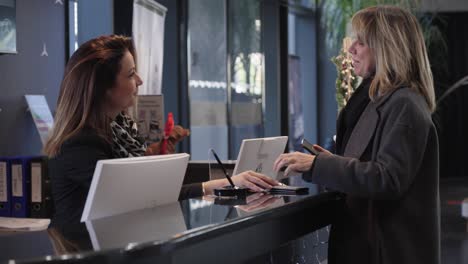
(288, 190)
(309, 147)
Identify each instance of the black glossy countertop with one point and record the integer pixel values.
(155, 234)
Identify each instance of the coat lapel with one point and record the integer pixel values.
(362, 132)
(365, 128)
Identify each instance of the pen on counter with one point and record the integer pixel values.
(222, 167)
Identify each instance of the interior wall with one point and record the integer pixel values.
(38, 24)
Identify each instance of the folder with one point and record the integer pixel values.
(20, 190)
(41, 199)
(5, 187)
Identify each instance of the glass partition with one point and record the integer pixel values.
(246, 72)
(207, 78)
(226, 82)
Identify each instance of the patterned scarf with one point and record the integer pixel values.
(127, 142)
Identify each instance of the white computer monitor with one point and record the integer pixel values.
(259, 154)
(123, 185)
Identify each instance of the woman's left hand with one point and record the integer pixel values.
(294, 162)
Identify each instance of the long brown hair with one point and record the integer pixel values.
(395, 37)
(91, 71)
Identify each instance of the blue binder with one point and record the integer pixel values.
(5, 187)
(20, 186)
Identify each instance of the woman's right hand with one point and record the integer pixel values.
(254, 181)
(249, 179)
(294, 162)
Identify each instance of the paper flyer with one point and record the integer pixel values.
(41, 115)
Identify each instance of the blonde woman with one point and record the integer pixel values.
(387, 155)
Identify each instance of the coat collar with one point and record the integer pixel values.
(381, 100)
(364, 130)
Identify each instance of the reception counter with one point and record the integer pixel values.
(258, 229)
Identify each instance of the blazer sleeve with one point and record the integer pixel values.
(403, 141)
(80, 155)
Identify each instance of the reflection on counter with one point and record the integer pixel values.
(153, 224)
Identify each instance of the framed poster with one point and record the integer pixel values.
(8, 26)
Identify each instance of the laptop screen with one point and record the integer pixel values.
(259, 155)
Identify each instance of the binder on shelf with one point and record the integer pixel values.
(41, 199)
(5, 187)
(20, 186)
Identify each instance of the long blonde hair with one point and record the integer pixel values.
(395, 37)
(91, 71)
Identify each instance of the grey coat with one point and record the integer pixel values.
(390, 175)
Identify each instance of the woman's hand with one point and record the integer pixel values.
(294, 162)
(254, 181)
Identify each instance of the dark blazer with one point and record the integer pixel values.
(390, 174)
(71, 172)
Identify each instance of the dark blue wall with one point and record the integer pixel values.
(27, 72)
(95, 18)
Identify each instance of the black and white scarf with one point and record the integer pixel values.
(127, 142)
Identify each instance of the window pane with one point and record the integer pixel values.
(207, 78)
(246, 72)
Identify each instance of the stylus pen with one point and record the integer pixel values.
(222, 167)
